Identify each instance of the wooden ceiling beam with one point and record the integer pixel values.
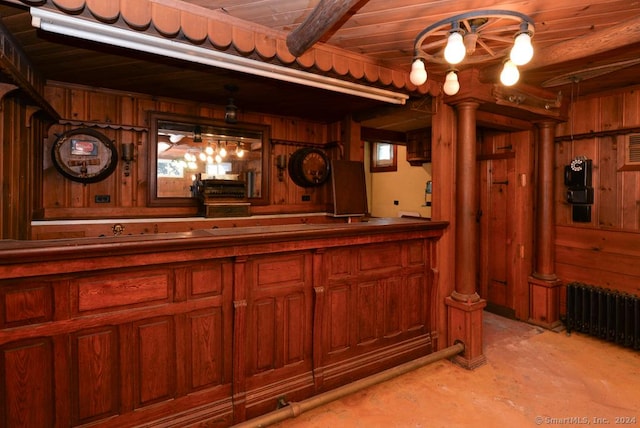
(320, 21)
(382, 135)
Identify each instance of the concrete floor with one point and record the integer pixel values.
(533, 377)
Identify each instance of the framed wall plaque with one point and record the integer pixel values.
(84, 155)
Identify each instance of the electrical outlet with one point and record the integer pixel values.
(103, 199)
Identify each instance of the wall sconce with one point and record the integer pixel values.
(127, 157)
(281, 163)
(474, 37)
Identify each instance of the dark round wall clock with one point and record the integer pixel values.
(84, 155)
(309, 167)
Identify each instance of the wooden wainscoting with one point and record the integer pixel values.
(207, 327)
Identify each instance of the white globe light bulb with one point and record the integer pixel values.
(455, 50)
(522, 51)
(451, 84)
(510, 74)
(418, 73)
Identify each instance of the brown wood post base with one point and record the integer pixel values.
(465, 325)
(544, 302)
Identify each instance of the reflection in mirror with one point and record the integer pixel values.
(190, 149)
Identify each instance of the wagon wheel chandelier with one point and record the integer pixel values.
(474, 37)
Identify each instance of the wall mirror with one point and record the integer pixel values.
(183, 148)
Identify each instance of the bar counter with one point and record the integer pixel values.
(212, 326)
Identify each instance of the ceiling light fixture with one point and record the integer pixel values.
(522, 50)
(455, 50)
(231, 111)
(103, 33)
(510, 74)
(474, 37)
(451, 84)
(418, 72)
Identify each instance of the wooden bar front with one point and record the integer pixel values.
(210, 326)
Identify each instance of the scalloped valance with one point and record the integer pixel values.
(216, 30)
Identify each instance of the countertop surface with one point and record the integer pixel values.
(12, 249)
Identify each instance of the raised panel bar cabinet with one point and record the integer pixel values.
(213, 326)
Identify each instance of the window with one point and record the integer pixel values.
(384, 157)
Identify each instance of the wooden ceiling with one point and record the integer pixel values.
(581, 48)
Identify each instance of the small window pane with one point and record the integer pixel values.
(383, 157)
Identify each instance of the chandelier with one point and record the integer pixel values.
(474, 37)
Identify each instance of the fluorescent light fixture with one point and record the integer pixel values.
(111, 35)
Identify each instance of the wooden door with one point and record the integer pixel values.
(497, 231)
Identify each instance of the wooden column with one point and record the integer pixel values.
(444, 207)
(544, 286)
(353, 144)
(464, 304)
(466, 205)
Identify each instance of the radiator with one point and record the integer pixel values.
(604, 313)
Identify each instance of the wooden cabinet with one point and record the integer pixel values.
(375, 297)
(210, 327)
(419, 146)
(123, 347)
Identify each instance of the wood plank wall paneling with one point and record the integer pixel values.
(62, 198)
(608, 180)
(604, 258)
(18, 173)
(605, 251)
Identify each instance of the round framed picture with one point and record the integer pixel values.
(84, 155)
